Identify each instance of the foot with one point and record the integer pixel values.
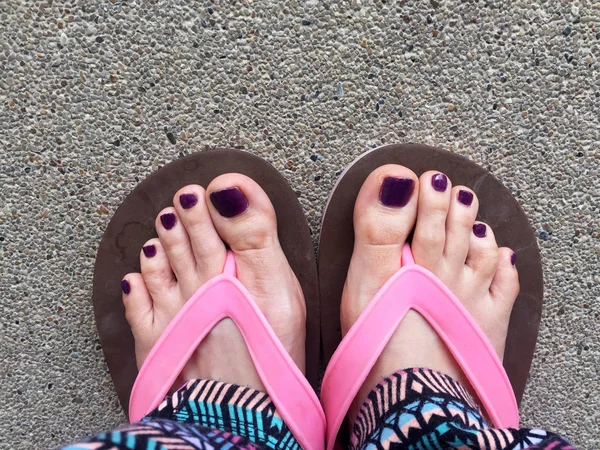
(449, 242)
(190, 250)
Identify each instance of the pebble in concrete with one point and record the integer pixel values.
(86, 95)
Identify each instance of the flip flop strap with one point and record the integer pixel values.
(225, 297)
(414, 287)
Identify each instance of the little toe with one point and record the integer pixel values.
(139, 312)
(137, 301)
(207, 247)
(464, 206)
(428, 243)
(482, 257)
(505, 284)
(503, 292)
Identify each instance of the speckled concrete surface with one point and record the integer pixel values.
(94, 96)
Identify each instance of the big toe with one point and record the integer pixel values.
(384, 216)
(242, 213)
(505, 284)
(245, 219)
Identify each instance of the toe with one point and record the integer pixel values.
(505, 284)
(459, 224)
(242, 213)
(177, 246)
(430, 232)
(157, 273)
(384, 215)
(139, 312)
(245, 219)
(386, 207)
(207, 247)
(137, 301)
(482, 257)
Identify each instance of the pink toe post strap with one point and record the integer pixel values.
(222, 297)
(414, 287)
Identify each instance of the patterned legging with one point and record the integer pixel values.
(416, 409)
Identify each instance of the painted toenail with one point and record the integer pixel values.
(465, 197)
(396, 192)
(513, 259)
(125, 287)
(229, 202)
(439, 182)
(149, 250)
(188, 200)
(168, 220)
(480, 230)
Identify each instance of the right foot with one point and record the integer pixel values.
(190, 250)
(447, 241)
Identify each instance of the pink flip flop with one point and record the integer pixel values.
(498, 387)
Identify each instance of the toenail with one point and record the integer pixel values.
(513, 259)
(168, 220)
(396, 192)
(188, 200)
(125, 287)
(465, 197)
(480, 230)
(149, 250)
(229, 202)
(439, 182)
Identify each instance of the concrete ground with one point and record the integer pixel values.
(94, 96)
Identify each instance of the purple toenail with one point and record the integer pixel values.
(513, 259)
(229, 202)
(439, 182)
(465, 197)
(188, 200)
(149, 250)
(396, 192)
(168, 220)
(480, 230)
(125, 287)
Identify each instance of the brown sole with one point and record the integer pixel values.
(498, 208)
(133, 224)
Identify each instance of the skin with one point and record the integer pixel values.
(191, 250)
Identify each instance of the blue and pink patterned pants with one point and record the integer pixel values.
(415, 409)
